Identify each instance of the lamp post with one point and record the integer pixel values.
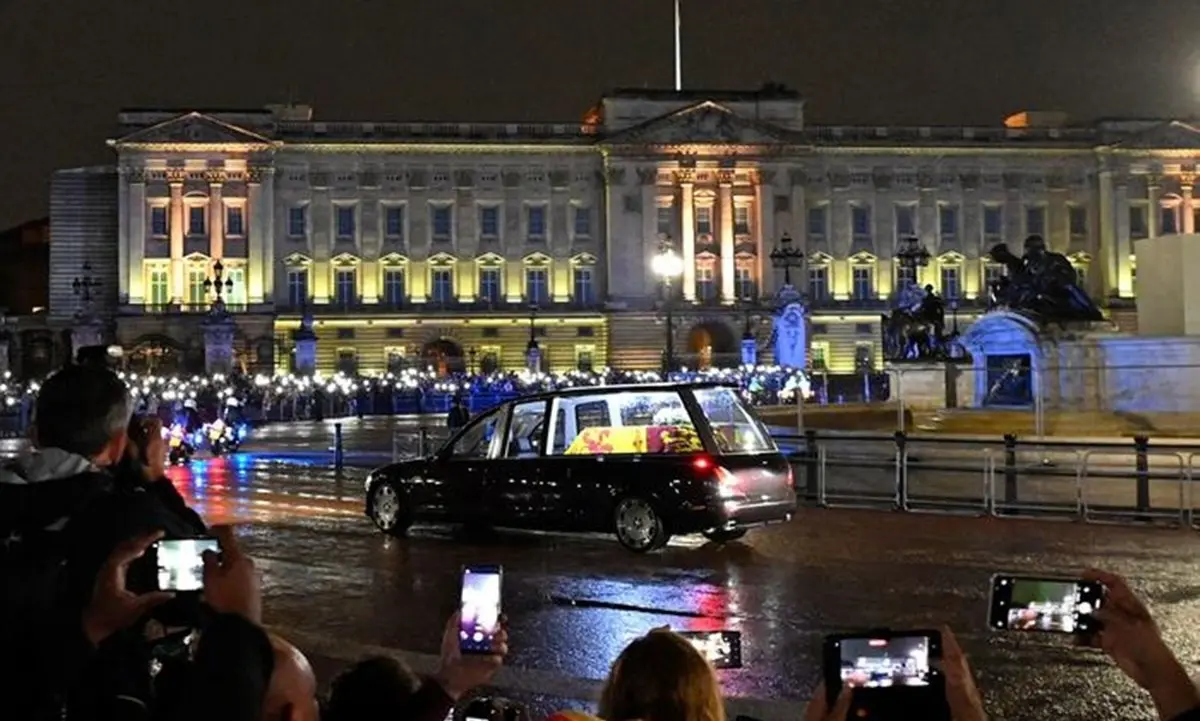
(910, 254)
(533, 352)
(668, 266)
(218, 285)
(786, 256)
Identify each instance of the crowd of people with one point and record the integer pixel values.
(86, 633)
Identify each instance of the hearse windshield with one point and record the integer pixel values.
(734, 428)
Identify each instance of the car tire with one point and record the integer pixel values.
(387, 510)
(725, 536)
(639, 526)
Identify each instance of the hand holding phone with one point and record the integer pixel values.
(896, 674)
(479, 609)
(1045, 604)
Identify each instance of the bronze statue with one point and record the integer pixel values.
(916, 328)
(1041, 283)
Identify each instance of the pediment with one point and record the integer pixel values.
(489, 259)
(705, 122)
(393, 259)
(1174, 135)
(194, 128)
(297, 259)
(345, 259)
(584, 259)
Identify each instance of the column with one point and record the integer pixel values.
(1154, 214)
(266, 219)
(178, 281)
(649, 246)
(123, 211)
(136, 240)
(216, 222)
(688, 231)
(1123, 245)
(256, 273)
(726, 198)
(1108, 235)
(798, 230)
(764, 230)
(1189, 213)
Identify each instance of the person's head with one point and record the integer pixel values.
(83, 410)
(661, 677)
(292, 694)
(378, 687)
(1035, 245)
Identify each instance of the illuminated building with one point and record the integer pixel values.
(416, 241)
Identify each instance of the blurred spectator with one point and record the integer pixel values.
(459, 416)
(1131, 638)
(292, 694)
(661, 677)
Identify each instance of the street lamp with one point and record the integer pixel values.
(83, 286)
(533, 353)
(912, 255)
(668, 266)
(786, 256)
(219, 285)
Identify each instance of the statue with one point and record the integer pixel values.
(1041, 283)
(916, 328)
(790, 334)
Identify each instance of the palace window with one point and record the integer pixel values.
(743, 282)
(706, 282)
(862, 282)
(159, 284)
(537, 286)
(818, 282)
(584, 289)
(535, 223)
(235, 291)
(741, 220)
(297, 226)
(818, 223)
(585, 358)
(394, 360)
(665, 219)
(489, 222)
(393, 222)
(951, 282)
(906, 275)
(347, 361)
(948, 223)
(489, 285)
(159, 227)
(1169, 215)
(906, 220)
(1078, 222)
(443, 285)
(441, 223)
(1138, 224)
(860, 224)
(993, 225)
(345, 286)
(197, 220)
(394, 287)
(1035, 220)
(197, 294)
(704, 220)
(992, 274)
(345, 218)
(583, 222)
(235, 221)
(297, 286)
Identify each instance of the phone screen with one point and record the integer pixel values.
(480, 608)
(180, 563)
(723, 649)
(1051, 605)
(885, 661)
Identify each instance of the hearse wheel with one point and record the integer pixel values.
(725, 536)
(387, 510)
(638, 525)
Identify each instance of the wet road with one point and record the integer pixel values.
(342, 590)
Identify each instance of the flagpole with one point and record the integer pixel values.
(678, 51)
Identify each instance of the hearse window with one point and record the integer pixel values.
(735, 429)
(476, 441)
(628, 424)
(526, 429)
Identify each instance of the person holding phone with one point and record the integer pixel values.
(1131, 638)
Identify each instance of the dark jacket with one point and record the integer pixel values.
(82, 513)
(1191, 715)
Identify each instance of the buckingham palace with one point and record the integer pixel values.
(455, 244)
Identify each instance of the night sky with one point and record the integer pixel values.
(67, 66)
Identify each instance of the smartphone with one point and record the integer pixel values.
(180, 562)
(480, 608)
(723, 649)
(1047, 604)
(896, 674)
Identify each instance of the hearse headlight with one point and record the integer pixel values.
(371, 477)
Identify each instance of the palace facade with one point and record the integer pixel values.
(432, 242)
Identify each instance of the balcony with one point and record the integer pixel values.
(431, 306)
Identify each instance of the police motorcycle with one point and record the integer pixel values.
(225, 434)
(180, 447)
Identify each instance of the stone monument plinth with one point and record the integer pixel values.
(218, 344)
(304, 348)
